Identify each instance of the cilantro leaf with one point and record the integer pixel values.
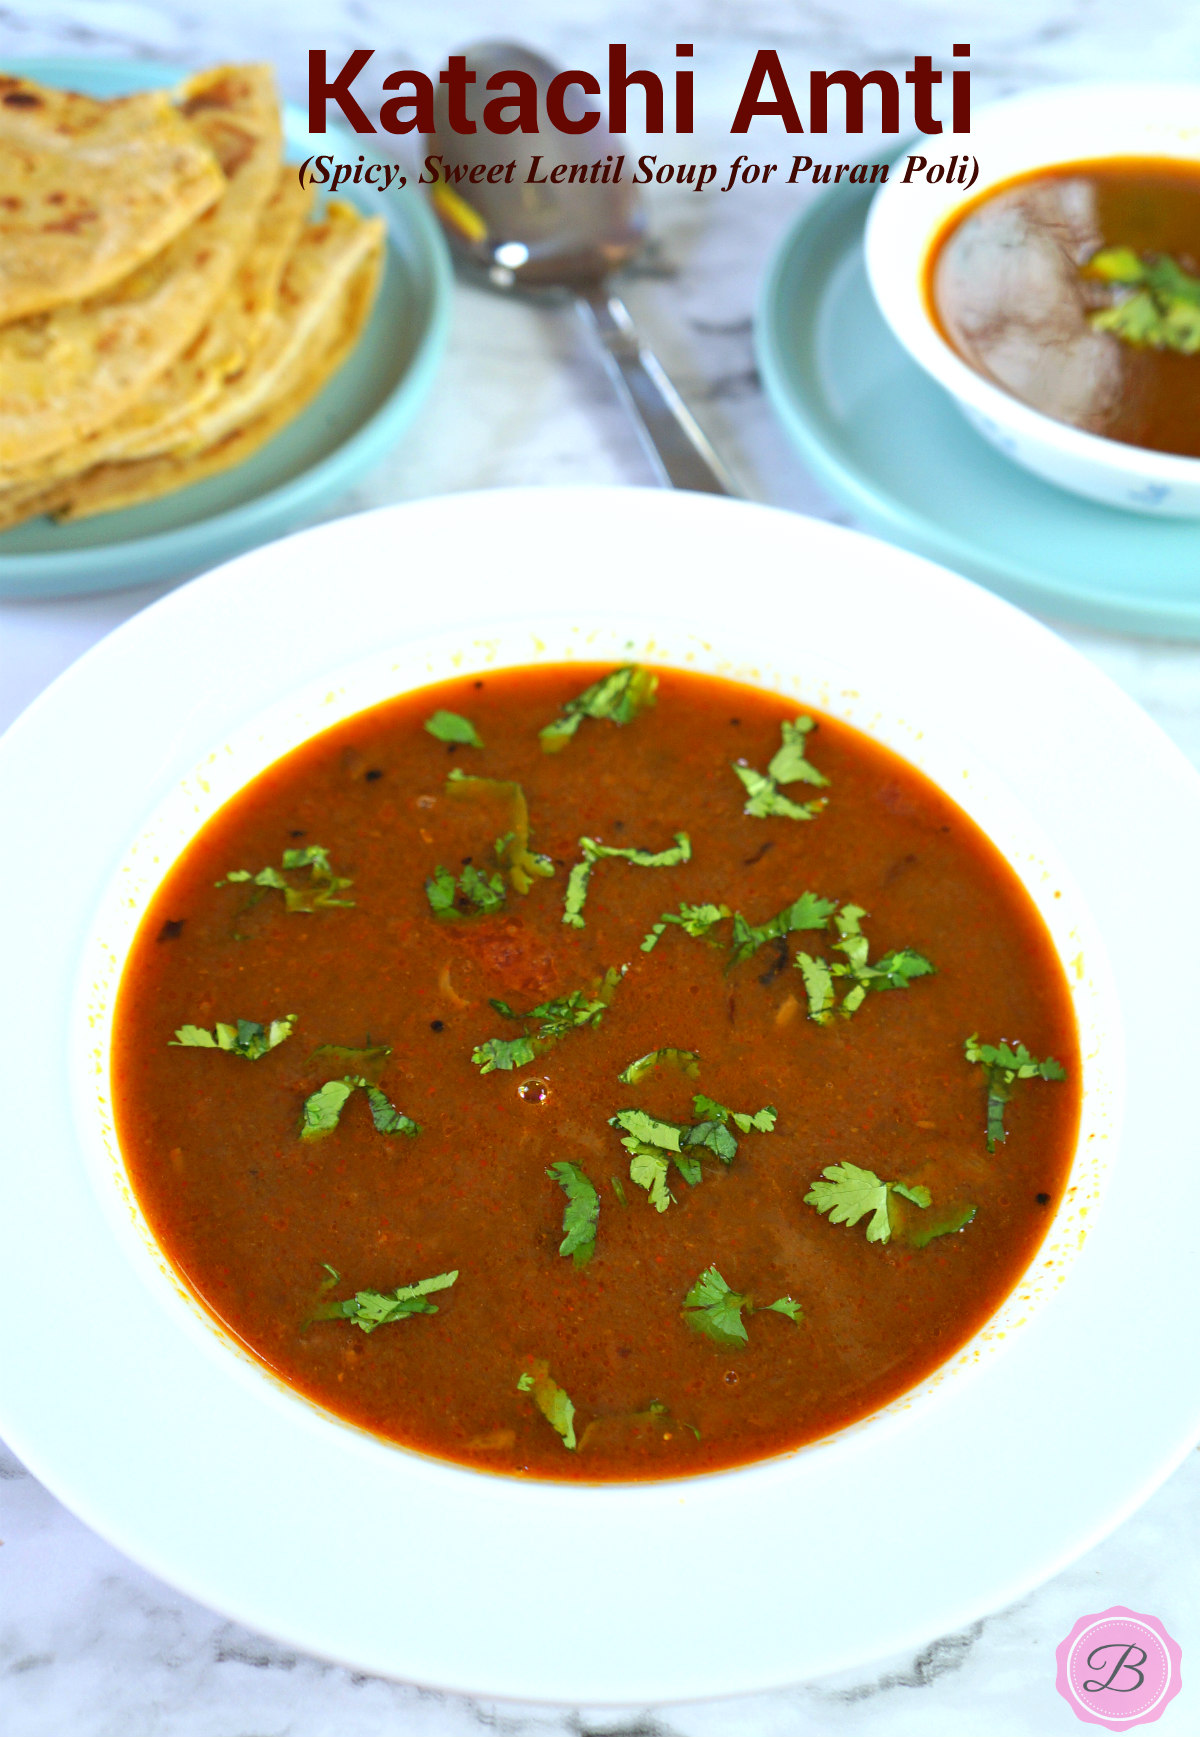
(765, 799)
(686, 1060)
(521, 864)
(371, 1309)
(695, 920)
(655, 1144)
(671, 857)
(502, 1055)
(593, 852)
(849, 1193)
(896, 970)
(473, 894)
(247, 1038)
(386, 1117)
(323, 1109)
(938, 1221)
(564, 1014)
(1162, 312)
(450, 727)
(1002, 1067)
(649, 1130)
(319, 895)
(550, 1400)
(809, 911)
(619, 696)
(649, 1167)
(818, 986)
(712, 1130)
(713, 1308)
(581, 1212)
(576, 894)
(789, 765)
(441, 889)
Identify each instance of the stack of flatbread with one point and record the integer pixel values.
(168, 298)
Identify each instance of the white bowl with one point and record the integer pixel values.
(133, 1407)
(1065, 124)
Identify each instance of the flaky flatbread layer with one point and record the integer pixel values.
(110, 487)
(70, 371)
(90, 190)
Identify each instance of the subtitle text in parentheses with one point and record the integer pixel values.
(326, 171)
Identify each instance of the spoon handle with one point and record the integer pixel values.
(674, 440)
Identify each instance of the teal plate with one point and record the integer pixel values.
(346, 429)
(889, 442)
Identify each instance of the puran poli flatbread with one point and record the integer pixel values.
(112, 486)
(230, 336)
(69, 371)
(90, 190)
(327, 255)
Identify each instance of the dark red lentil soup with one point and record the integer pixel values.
(1077, 289)
(730, 1288)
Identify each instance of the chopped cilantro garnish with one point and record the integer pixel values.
(319, 895)
(686, 1060)
(654, 1145)
(1002, 1067)
(648, 1167)
(386, 1117)
(580, 1213)
(849, 1193)
(371, 1309)
(696, 920)
(550, 1400)
(711, 1307)
(503, 1054)
(619, 697)
(809, 911)
(564, 1014)
(472, 894)
(593, 852)
(522, 865)
(789, 765)
(896, 970)
(938, 1221)
(450, 727)
(369, 1061)
(247, 1038)
(323, 1109)
(1163, 310)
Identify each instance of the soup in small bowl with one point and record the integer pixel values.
(1058, 301)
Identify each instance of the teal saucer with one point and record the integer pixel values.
(346, 429)
(889, 443)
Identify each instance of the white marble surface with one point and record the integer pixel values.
(92, 1645)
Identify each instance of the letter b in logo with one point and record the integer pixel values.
(1118, 1669)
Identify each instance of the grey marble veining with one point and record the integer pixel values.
(90, 1644)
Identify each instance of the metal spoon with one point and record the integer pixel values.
(548, 239)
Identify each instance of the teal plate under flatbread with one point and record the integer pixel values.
(893, 446)
(346, 429)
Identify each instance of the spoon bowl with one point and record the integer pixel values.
(515, 228)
